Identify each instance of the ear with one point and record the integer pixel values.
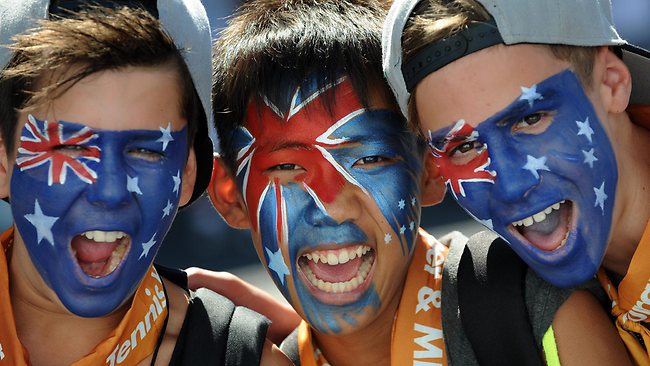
(5, 178)
(613, 80)
(432, 186)
(225, 196)
(188, 179)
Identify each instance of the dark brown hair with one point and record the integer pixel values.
(272, 46)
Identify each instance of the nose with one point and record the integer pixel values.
(346, 206)
(517, 174)
(110, 189)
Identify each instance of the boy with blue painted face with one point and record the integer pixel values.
(526, 107)
(104, 135)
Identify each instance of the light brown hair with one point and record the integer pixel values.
(432, 20)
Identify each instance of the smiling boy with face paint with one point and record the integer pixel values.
(318, 163)
(104, 136)
(534, 141)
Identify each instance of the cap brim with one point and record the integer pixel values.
(638, 61)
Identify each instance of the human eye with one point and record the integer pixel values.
(466, 152)
(72, 151)
(534, 123)
(371, 161)
(145, 154)
(285, 167)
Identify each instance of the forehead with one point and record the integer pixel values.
(317, 109)
(477, 86)
(131, 98)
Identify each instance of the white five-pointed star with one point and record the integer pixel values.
(167, 210)
(413, 201)
(487, 223)
(177, 181)
(132, 185)
(276, 264)
(147, 246)
(166, 137)
(387, 238)
(412, 225)
(530, 94)
(534, 164)
(401, 204)
(42, 223)
(402, 229)
(600, 197)
(584, 129)
(590, 158)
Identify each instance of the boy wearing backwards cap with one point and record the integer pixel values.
(104, 135)
(529, 111)
(318, 163)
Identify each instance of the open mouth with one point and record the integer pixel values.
(338, 271)
(99, 253)
(548, 229)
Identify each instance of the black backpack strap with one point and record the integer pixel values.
(216, 332)
(290, 347)
(491, 282)
(246, 337)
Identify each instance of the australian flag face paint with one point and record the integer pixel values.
(542, 174)
(333, 198)
(93, 206)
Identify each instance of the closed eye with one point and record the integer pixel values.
(145, 154)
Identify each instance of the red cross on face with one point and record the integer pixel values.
(472, 171)
(44, 148)
(300, 136)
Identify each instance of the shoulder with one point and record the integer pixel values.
(177, 305)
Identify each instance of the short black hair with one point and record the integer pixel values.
(271, 46)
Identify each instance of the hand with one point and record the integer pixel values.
(284, 319)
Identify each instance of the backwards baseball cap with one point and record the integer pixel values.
(184, 20)
(559, 22)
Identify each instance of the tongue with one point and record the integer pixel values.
(548, 234)
(336, 273)
(93, 256)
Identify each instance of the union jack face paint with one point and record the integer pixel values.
(541, 173)
(92, 206)
(332, 195)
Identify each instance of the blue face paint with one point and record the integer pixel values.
(537, 172)
(69, 180)
(347, 151)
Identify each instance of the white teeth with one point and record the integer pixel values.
(338, 287)
(339, 256)
(538, 217)
(104, 236)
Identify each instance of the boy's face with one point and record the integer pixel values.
(333, 199)
(522, 149)
(96, 180)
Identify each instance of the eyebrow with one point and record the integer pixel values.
(281, 145)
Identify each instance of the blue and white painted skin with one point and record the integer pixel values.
(333, 200)
(553, 177)
(71, 181)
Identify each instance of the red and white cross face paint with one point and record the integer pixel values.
(332, 193)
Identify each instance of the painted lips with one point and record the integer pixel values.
(337, 276)
(548, 229)
(98, 253)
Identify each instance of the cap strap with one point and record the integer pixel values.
(475, 37)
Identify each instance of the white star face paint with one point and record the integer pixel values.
(552, 193)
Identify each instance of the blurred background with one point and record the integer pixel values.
(199, 237)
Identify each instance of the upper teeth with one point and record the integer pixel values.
(538, 217)
(334, 257)
(104, 236)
